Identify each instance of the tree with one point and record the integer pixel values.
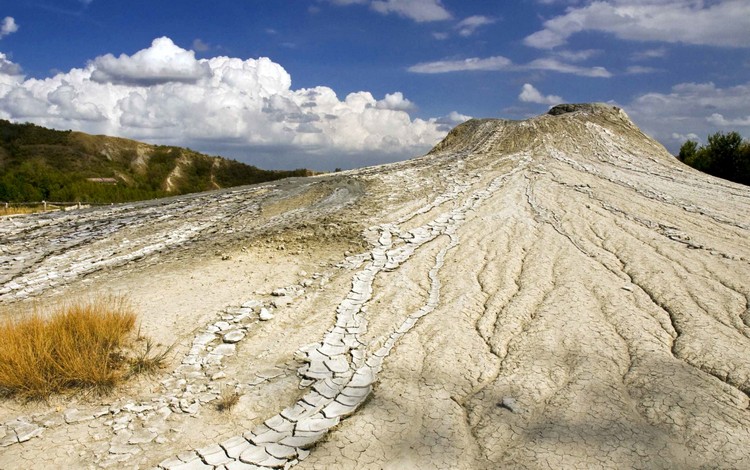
(688, 150)
(726, 156)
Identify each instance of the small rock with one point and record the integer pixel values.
(191, 409)
(265, 314)
(222, 325)
(509, 403)
(8, 439)
(218, 375)
(224, 349)
(281, 302)
(234, 336)
(279, 292)
(132, 407)
(225, 257)
(74, 416)
(28, 431)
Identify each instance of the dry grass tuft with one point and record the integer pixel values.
(80, 346)
(227, 399)
(148, 361)
(19, 210)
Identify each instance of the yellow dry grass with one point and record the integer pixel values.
(78, 346)
(227, 399)
(19, 210)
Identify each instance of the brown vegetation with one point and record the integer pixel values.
(80, 346)
(11, 210)
(227, 399)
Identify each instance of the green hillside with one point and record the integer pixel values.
(38, 164)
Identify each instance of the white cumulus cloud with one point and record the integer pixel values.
(395, 101)
(529, 94)
(692, 109)
(163, 62)
(719, 120)
(8, 26)
(699, 22)
(163, 94)
(683, 137)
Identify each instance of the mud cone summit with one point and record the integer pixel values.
(558, 292)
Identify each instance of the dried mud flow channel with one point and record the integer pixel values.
(558, 292)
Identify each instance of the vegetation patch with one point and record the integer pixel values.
(17, 210)
(227, 399)
(39, 164)
(725, 155)
(81, 346)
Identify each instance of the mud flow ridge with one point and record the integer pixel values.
(556, 292)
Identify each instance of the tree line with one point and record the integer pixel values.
(725, 155)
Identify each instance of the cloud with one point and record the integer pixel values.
(200, 46)
(7, 67)
(420, 11)
(469, 26)
(471, 64)
(417, 10)
(8, 26)
(578, 56)
(683, 137)
(529, 94)
(720, 121)
(640, 70)
(395, 101)
(698, 22)
(697, 109)
(500, 63)
(235, 107)
(451, 120)
(163, 62)
(647, 54)
(554, 65)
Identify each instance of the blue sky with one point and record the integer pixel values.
(348, 83)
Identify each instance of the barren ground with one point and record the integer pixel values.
(552, 293)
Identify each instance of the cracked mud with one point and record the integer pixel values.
(552, 293)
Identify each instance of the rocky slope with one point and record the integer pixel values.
(558, 292)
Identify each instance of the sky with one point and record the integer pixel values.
(322, 84)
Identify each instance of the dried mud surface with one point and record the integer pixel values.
(552, 293)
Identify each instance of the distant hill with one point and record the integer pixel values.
(38, 164)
